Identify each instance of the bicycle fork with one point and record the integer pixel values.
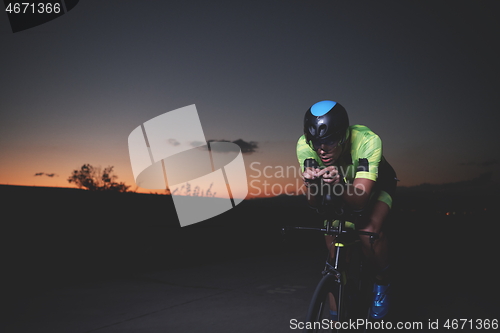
(339, 278)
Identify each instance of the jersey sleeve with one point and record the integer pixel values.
(369, 155)
(304, 151)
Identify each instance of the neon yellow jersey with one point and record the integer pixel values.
(362, 162)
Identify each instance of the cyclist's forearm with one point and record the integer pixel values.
(313, 194)
(355, 197)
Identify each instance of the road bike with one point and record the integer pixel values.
(346, 285)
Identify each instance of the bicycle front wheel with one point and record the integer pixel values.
(327, 297)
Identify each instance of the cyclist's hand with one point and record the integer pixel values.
(330, 175)
(310, 174)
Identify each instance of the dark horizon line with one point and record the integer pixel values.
(481, 182)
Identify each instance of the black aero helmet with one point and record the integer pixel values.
(326, 122)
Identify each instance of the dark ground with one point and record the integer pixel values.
(58, 241)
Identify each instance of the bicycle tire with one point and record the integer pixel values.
(357, 289)
(318, 314)
(352, 304)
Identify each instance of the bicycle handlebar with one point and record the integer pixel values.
(331, 231)
(327, 207)
(328, 198)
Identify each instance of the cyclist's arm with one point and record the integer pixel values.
(304, 152)
(369, 155)
(358, 193)
(312, 183)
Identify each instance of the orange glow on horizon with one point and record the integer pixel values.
(257, 187)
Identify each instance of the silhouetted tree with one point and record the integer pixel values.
(95, 179)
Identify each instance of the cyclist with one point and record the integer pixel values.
(352, 167)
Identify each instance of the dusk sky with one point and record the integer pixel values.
(423, 75)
